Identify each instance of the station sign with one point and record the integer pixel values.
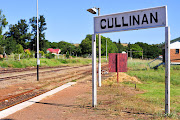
(133, 20)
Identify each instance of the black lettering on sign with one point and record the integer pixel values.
(144, 19)
(116, 23)
(124, 24)
(135, 20)
(152, 17)
(111, 24)
(103, 27)
(130, 20)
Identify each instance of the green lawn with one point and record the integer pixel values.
(154, 83)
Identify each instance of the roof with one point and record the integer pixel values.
(174, 40)
(26, 50)
(175, 45)
(51, 50)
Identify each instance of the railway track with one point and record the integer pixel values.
(24, 96)
(13, 70)
(33, 74)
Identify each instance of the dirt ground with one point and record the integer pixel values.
(75, 103)
(116, 101)
(19, 85)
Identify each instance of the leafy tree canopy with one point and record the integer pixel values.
(19, 32)
(3, 22)
(42, 28)
(19, 49)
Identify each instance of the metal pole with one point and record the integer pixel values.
(106, 50)
(38, 61)
(117, 63)
(94, 85)
(4, 45)
(167, 70)
(99, 65)
(131, 53)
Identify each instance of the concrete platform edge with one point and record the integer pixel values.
(25, 104)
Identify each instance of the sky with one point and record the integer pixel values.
(69, 20)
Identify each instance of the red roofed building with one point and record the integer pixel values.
(53, 51)
(27, 50)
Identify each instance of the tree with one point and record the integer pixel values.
(54, 45)
(1, 50)
(146, 49)
(67, 54)
(3, 22)
(20, 33)
(111, 47)
(19, 49)
(65, 46)
(10, 45)
(78, 50)
(119, 41)
(86, 45)
(42, 28)
(150, 51)
(136, 47)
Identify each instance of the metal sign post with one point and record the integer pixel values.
(167, 70)
(38, 61)
(94, 72)
(117, 68)
(106, 49)
(99, 64)
(134, 20)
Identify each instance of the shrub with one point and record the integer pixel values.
(42, 53)
(28, 52)
(50, 55)
(1, 59)
(1, 50)
(67, 54)
(19, 49)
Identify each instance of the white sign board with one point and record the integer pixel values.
(133, 20)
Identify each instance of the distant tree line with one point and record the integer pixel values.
(23, 35)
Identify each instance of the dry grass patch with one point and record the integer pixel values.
(118, 101)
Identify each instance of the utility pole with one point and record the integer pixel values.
(99, 65)
(106, 50)
(94, 72)
(167, 70)
(38, 61)
(4, 53)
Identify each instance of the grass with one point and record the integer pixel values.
(147, 101)
(154, 84)
(23, 63)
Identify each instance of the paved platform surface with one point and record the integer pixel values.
(60, 106)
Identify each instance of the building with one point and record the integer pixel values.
(53, 51)
(174, 51)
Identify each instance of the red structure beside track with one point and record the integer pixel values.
(117, 62)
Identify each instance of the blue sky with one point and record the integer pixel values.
(69, 21)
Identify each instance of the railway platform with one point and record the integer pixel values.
(59, 106)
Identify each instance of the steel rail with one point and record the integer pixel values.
(41, 92)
